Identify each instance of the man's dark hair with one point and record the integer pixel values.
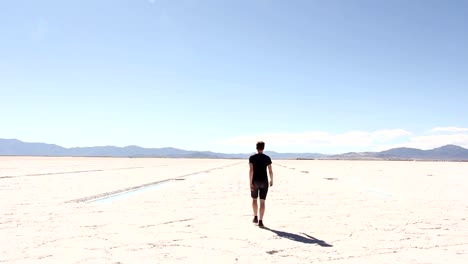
(260, 145)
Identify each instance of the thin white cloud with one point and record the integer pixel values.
(362, 139)
(152, 1)
(357, 140)
(389, 134)
(450, 129)
(431, 141)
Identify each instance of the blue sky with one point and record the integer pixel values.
(307, 76)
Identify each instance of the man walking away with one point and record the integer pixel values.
(259, 181)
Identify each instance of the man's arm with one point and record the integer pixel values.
(270, 170)
(251, 173)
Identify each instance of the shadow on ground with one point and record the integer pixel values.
(306, 239)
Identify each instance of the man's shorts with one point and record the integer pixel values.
(260, 188)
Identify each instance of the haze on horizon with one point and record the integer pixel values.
(308, 76)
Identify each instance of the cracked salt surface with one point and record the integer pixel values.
(169, 214)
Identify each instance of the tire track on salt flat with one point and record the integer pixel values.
(134, 188)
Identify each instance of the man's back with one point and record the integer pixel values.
(260, 163)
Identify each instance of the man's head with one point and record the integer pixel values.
(260, 146)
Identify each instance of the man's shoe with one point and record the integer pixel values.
(255, 220)
(260, 224)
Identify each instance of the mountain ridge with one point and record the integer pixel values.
(15, 147)
(447, 152)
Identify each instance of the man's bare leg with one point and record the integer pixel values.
(255, 207)
(262, 209)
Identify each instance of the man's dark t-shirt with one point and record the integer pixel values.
(260, 163)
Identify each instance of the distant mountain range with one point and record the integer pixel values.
(447, 152)
(14, 147)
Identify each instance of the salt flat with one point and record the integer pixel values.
(124, 210)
